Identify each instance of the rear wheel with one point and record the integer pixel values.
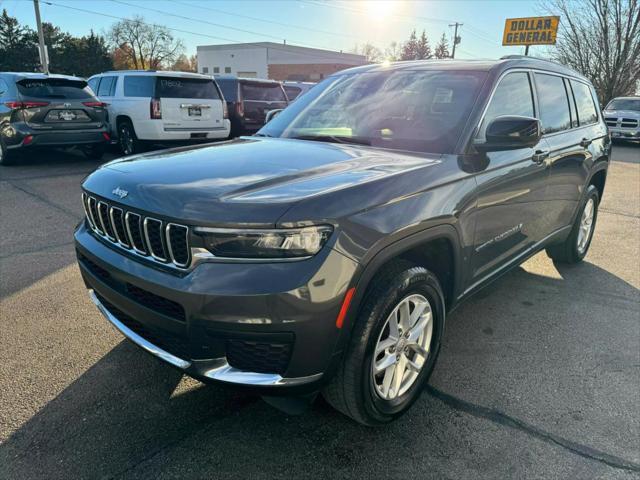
(393, 346)
(576, 246)
(6, 158)
(129, 143)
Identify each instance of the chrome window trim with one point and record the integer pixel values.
(113, 225)
(168, 243)
(145, 224)
(126, 224)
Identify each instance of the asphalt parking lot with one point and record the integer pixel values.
(539, 376)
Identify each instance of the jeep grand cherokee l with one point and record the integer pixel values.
(324, 253)
(38, 110)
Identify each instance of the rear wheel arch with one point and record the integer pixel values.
(437, 249)
(598, 180)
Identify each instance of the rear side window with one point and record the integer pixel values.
(584, 102)
(107, 87)
(54, 88)
(263, 92)
(513, 96)
(138, 86)
(4, 88)
(169, 87)
(554, 103)
(229, 89)
(93, 84)
(292, 92)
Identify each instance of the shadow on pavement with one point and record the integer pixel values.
(130, 411)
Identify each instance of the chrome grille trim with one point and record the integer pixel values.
(124, 243)
(145, 223)
(167, 233)
(101, 220)
(104, 222)
(127, 223)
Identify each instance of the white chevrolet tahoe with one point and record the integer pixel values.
(161, 106)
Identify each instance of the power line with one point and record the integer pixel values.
(325, 54)
(264, 20)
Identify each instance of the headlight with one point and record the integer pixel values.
(257, 243)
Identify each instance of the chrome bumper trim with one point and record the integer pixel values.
(137, 339)
(220, 370)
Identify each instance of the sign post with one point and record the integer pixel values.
(530, 31)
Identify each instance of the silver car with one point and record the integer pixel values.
(622, 115)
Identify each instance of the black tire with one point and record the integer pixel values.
(352, 390)
(569, 251)
(127, 138)
(6, 158)
(95, 151)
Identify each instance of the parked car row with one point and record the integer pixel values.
(133, 108)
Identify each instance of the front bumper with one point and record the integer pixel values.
(625, 133)
(234, 314)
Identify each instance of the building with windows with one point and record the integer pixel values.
(276, 61)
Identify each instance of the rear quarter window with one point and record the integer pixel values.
(107, 86)
(553, 102)
(263, 92)
(292, 92)
(138, 86)
(587, 112)
(56, 88)
(169, 87)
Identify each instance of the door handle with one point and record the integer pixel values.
(540, 156)
(585, 142)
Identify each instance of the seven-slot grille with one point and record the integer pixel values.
(148, 236)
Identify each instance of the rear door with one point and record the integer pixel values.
(189, 103)
(60, 104)
(259, 98)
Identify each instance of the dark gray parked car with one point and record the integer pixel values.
(38, 110)
(324, 253)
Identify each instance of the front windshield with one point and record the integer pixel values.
(624, 104)
(422, 111)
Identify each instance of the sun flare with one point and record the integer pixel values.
(379, 10)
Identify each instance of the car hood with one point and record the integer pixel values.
(247, 181)
(622, 113)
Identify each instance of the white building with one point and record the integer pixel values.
(273, 60)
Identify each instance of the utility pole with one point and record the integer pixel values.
(456, 38)
(44, 60)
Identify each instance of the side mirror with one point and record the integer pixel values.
(271, 114)
(510, 132)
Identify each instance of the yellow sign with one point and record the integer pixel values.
(530, 31)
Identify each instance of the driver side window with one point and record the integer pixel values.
(513, 96)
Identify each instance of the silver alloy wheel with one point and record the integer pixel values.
(402, 347)
(586, 225)
(1, 154)
(126, 140)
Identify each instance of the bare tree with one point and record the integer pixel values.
(145, 45)
(371, 52)
(393, 52)
(600, 39)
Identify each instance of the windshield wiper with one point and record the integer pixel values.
(262, 135)
(334, 139)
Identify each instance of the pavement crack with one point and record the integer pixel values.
(45, 200)
(501, 418)
(622, 214)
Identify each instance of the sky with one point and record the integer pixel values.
(334, 25)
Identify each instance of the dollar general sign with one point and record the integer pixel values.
(530, 31)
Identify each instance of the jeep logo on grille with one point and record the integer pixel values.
(119, 192)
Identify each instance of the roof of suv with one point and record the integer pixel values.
(155, 73)
(17, 76)
(245, 79)
(498, 66)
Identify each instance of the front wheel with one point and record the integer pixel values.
(577, 244)
(393, 348)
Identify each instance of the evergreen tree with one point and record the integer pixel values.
(442, 48)
(410, 48)
(423, 49)
(17, 50)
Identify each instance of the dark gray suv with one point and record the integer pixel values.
(323, 254)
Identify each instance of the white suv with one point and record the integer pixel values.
(155, 106)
